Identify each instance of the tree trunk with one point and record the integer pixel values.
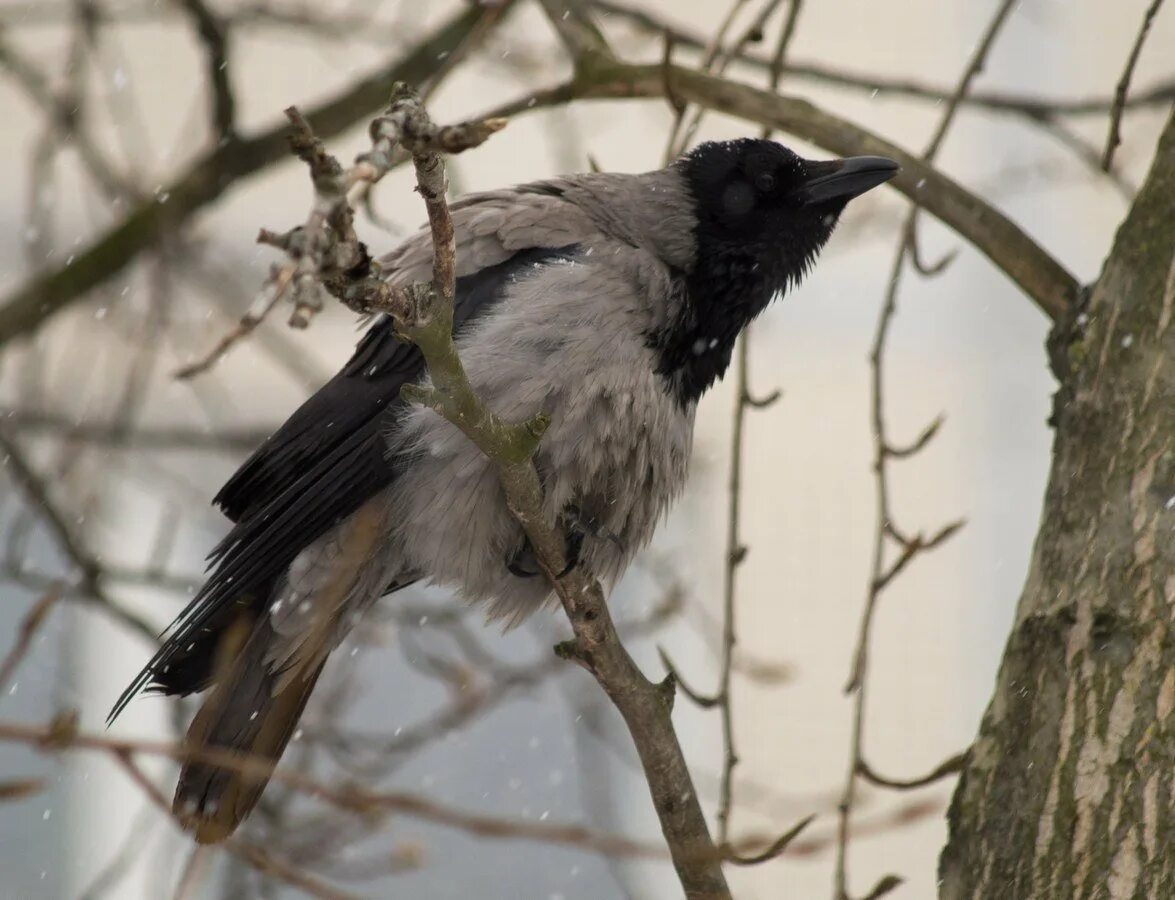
(1069, 791)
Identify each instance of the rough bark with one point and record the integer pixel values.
(1069, 791)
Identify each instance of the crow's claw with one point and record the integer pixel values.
(523, 564)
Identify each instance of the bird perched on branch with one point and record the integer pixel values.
(610, 302)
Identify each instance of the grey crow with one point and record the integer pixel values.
(611, 302)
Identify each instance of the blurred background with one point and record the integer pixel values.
(105, 104)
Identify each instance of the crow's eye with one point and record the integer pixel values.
(765, 183)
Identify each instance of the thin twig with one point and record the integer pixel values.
(25, 633)
(928, 433)
(262, 306)
(704, 701)
(211, 175)
(162, 438)
(1033, 107)
(1040, 276)
(91, 571)
(265, 862)
(910, 549)
(579, 34)
(58, 736)
(1123, 87)
(952, 766)
(325, 250)
(194, 872)
(886, 884)
(881, 577)
(65, 115)
(719, 61)
(774, 849)
(676, 143)
(20, 788)
(735, 555)
(736, 550)
(38, 493)
(213, 33)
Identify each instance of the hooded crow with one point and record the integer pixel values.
(611, 302)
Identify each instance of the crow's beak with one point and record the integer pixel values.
(844, 179)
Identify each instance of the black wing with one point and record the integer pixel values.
(318, 468)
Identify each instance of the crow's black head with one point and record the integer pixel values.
(763, 213)
(758, 200)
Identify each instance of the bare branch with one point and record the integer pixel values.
(702, 700)
(947, 767)
(774, 849)
(1041, 277)
(213, 34)
(325, 252)
(29, 626)
(63, 735)
(262, 860)
(718, 58)
(736, 550)
(208, 178)
(20, 788)
(576, 30)
(911, 549)
(736, 553)
(65, 117)
(37, 492)
(928, 433)
(1035, 108)
(881, 576)
(884, 886)
(677, 142)
(269, 864)
(273, 291)
(1123, 87)
(69, 542)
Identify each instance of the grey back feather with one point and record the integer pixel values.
(567, 338)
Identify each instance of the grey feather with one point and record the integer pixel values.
(566, 339)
